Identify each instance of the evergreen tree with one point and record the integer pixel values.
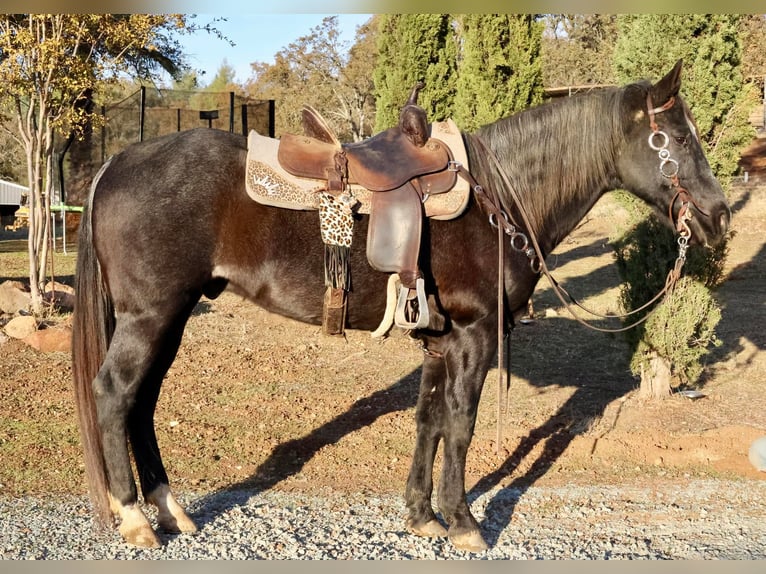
(500, 68)
(413, 47)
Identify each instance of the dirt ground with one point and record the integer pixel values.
(256, 400)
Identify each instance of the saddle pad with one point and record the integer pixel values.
(267, 183)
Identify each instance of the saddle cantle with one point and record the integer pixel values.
(399, 170)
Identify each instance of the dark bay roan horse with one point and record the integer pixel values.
(168, 221)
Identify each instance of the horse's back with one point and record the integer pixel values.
(172, 167)
(158, 205)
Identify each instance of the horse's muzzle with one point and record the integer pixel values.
(715, 225)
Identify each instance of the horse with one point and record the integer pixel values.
(168, 221)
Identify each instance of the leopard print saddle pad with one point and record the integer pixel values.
(269, 184)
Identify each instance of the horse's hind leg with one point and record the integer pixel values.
(143, 438)
(131, 374)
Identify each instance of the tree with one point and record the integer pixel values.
(720, 102)
(667, 349)
(49, 66)
(357, 99)
(209, 98)
(323, 71)
(414, 47)
(753, 38)
(500, 68)
(577, 49)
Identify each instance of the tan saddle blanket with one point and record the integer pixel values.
(268, 183)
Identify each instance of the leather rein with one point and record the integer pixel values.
(527, 244)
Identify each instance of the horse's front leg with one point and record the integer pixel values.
(450, 389)
(429, 415)
(467, 363)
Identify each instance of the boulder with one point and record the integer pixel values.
(757, 454)
(51, 339)
(14, 297)
(21, 327)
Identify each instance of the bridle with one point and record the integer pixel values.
(658, 141)
(527, 244)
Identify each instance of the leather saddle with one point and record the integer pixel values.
(402, 166)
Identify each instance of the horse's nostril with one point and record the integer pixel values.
(723, 221)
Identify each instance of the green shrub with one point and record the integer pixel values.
(682, 329)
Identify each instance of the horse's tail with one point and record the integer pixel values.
(92, 329)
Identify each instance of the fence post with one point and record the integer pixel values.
(272, 130)
(231, 112)
(141, 117)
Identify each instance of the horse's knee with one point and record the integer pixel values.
(170, 514)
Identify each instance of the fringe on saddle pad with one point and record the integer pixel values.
(336, 223)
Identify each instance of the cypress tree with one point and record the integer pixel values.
(413, 47)
(500, 68)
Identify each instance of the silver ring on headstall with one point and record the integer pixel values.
(664, 143)
(674, 167)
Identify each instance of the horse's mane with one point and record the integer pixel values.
(557, 156)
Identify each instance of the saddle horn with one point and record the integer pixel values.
(413, 120)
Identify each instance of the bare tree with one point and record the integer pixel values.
(325, 72)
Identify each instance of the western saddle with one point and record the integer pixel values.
(402, 166)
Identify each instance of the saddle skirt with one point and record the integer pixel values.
(268, 183)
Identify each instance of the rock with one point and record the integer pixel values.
(14, 297)
(21, 327)
(58, 287)
(51, 340)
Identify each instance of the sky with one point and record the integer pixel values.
(258, 37)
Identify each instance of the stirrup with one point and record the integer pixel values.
(422, 318)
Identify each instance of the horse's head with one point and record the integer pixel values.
(663, 162)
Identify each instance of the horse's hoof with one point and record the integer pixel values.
(177, 525)
(470, 541)
(142, 537)
(431, 529)
(171, 516)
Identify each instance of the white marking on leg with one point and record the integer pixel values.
(134, 526)
(171, 516)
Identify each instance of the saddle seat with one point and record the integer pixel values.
(383, 162)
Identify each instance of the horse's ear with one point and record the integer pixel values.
(668, 86)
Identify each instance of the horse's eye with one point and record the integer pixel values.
(680, 140)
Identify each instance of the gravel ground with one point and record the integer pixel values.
(708, 519)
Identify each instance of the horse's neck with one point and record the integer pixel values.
(558, 172)
(560, 223)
